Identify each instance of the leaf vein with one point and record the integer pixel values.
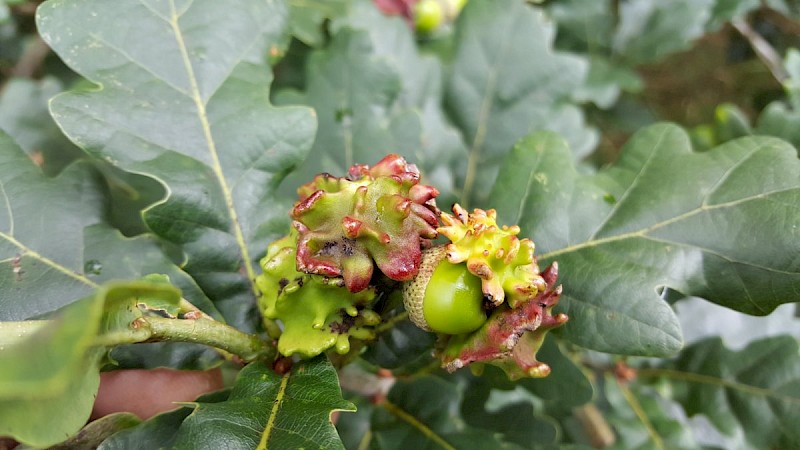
(414, 423)
(631, 187)
(642, 232)
(524, 199)
(27, 251)
(476, 149)
(7, 202)
(728, 172)
(139, 64)
(276, 406)
(212, 148)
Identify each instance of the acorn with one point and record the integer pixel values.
(461, 283)
(443, 297)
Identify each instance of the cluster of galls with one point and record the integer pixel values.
(482, 293)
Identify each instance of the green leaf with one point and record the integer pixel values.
(513, 416)
(780, 121)
(441, 152)
(727, 10)
(94, 433)
(650, 29)
(264, 410)
(402, 348)
(605, 82)
(42, 221)
(584, 26)
(354, 428)
(420, 414)
(721, 225)
(54, 246)
(755, 390)
(132, 258)
(25, 117)
(159, 431)
(110, 256)
(308, 16)
(355, 94)
(49, 377)
(183, 98)
(566, 387)
(507, 81)
(642, 419)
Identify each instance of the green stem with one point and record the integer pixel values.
(401, 414)
(633, 402)
(209, 332)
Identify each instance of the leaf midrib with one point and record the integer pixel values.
(273, 414)
(418, 425)
(29, 252)
(692, 377)
(643, 233)
(476, 149)
(212, 146)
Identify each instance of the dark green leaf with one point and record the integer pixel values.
(184, 99)
(755, 390)
(513, 417)
(422, 414)
(159, 431)
(507, 81)
(110, 256)
(566, 387)
(266, 410)
(175, 355)
(727, 10)
(605, 82)
(402, 347)
(720, 225)
(308, 16)
(584, 26)
(54, 246)
(354, 428)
